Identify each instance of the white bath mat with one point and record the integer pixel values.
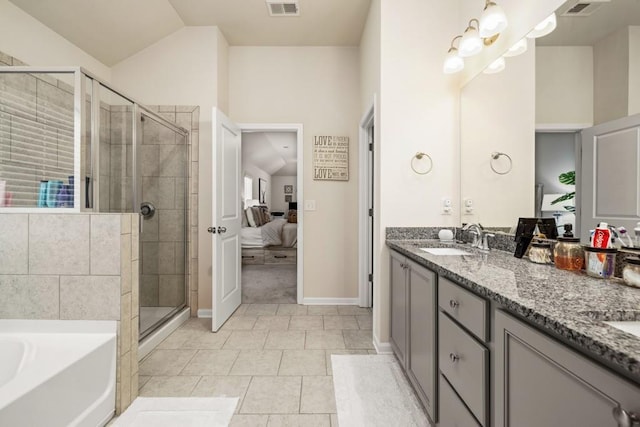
(178, 411)
(373, 391)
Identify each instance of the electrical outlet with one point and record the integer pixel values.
(309, 205)
(468, 206)
(446, 206)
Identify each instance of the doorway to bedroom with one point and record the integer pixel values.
(270, 233)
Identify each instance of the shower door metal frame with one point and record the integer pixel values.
(139, 112)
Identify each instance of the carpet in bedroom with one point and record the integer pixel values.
(269, 284)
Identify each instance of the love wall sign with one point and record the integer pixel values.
(331, 158)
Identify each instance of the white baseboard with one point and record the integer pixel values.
(149, 343)
(205, 313)
(331, 301)
(382, 347)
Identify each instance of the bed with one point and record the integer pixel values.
(272, 242)
(278, 232)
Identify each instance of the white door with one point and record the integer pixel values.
(226, 221)
(610, 187)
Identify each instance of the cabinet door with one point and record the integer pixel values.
(399, 310)
(541, 382)
(422, 335)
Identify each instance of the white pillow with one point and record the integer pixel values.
(250, 219)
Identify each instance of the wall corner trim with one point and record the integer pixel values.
(382, 347)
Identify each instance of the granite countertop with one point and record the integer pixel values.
(571, 305)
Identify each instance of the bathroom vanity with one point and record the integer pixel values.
(490, 340)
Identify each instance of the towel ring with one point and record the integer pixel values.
(419, 155)
(495, 156)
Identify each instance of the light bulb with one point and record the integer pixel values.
(492, 21)
(496, 66)
(471, 44)
(517, 49)
(453, 63)
(544, 28)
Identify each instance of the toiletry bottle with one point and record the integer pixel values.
(42, 194)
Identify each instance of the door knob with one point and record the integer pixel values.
(211, 230)
(222, 230)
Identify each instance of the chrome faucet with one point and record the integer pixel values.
(480, 236)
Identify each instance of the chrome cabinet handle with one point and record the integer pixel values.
(222, 230)
(454, 357)
(211, 230)
(453, 304)
(624, 418)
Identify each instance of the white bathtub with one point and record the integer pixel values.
(57, 372)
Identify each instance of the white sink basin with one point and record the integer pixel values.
(445, 251)
(630, 327)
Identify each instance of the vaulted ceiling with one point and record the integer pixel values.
(112, 30)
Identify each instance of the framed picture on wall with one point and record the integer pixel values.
(262, 191)
(288, 198)
(288, 189)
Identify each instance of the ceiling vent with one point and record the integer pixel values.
(581, 8)
(283, 7)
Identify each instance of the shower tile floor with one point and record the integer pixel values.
(275, 357)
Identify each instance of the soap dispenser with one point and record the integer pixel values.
(568, 253)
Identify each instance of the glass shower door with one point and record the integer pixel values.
(162, 184)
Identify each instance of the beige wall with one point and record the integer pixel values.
(610, 90)
(318, 87)
(497, 113)
(634, 70)
(564, 85)
(278, 195)
(24, 37)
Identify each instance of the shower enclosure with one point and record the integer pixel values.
(70, 143)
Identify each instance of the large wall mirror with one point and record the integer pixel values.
(520, 127)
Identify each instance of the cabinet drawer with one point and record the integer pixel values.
(453, 413)
(279, 256)
(465, 307)
(464, 363)
(253, 256)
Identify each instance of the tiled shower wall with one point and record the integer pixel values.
(75, 267)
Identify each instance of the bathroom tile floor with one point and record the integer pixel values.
(275, 357)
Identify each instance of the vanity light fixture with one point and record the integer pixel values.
(517, 49)
(453, 63)
(496, 66)
(544, 28)
(492, 21)
(471, 43)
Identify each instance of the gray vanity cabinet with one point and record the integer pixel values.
(413, 326)
(421, 366)
(399, 307)
(540, 382)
